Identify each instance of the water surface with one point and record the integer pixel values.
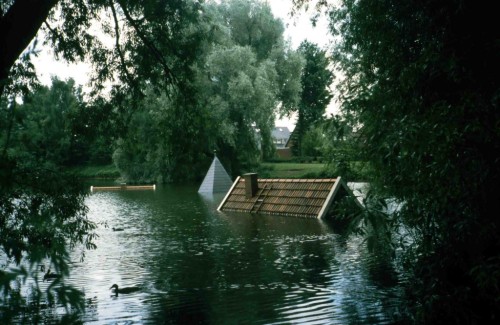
(195, 265)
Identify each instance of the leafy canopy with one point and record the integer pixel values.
(242, 74)
(130, 44)
(316, 79)
(421, 87)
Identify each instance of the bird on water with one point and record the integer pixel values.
(117, 290)
(48, 276)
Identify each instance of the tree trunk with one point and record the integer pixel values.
(18, 27)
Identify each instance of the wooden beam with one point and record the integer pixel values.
(329, 199)
(122, 188)
(228, 193)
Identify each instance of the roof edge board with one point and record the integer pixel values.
(229, 192)
(329, 199)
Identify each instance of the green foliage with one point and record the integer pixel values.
(248, 89)
(147, 43)
(143, 32)
(42, 219)
(251, 23)
(342, 151)
(421, 88)
(43, 132)
(55, 127)
(375, 221)
(94, 127)
(316, 79)
(227, 101)
(95, 171)
(291, 170)
(313, 142)
(165, 139)
(289, 66)
(42, 216)
(252, 74)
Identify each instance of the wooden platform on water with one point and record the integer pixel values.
(123, 188)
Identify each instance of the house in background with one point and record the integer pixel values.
(280, 135)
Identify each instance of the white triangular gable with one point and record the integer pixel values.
(217, 179)
(339, 183)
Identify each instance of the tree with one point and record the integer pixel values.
(239, 79)
(42, 212)
(257, 78)
(249, 90)
(143, 34)
(251, 23)
(315, 97)
(421, 84)
(44, 131)
(168, 139)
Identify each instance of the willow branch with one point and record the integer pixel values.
(52, 30)
(154, 50)
(118, 48)
(9, 128)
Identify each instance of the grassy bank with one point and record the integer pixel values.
(266, 170)
(105, 171)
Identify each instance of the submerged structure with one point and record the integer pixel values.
(123, 187)
(217, 179)
(310, 198)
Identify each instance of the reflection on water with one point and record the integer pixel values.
(197, 265)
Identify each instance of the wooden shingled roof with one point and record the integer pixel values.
(310, 198)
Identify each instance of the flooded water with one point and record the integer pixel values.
(195, 265)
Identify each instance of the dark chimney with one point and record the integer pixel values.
(251, 185)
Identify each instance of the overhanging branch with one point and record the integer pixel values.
(154, 50)
(117, 44)
(18, 27)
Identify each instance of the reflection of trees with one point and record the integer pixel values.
(370, 292)
(180, 275)
(316, 262)
(210, 267)
(296, 256)
(246, 263)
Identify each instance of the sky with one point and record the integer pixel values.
(297, 29)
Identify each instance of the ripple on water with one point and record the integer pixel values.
(196, 265)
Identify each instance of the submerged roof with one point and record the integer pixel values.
(291, 197)
(217, 179)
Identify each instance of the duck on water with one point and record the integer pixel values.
(50, 276)
(117, 290)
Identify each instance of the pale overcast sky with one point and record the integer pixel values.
(297, 29)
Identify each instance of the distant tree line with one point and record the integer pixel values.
(243, 75)
(55, 127)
